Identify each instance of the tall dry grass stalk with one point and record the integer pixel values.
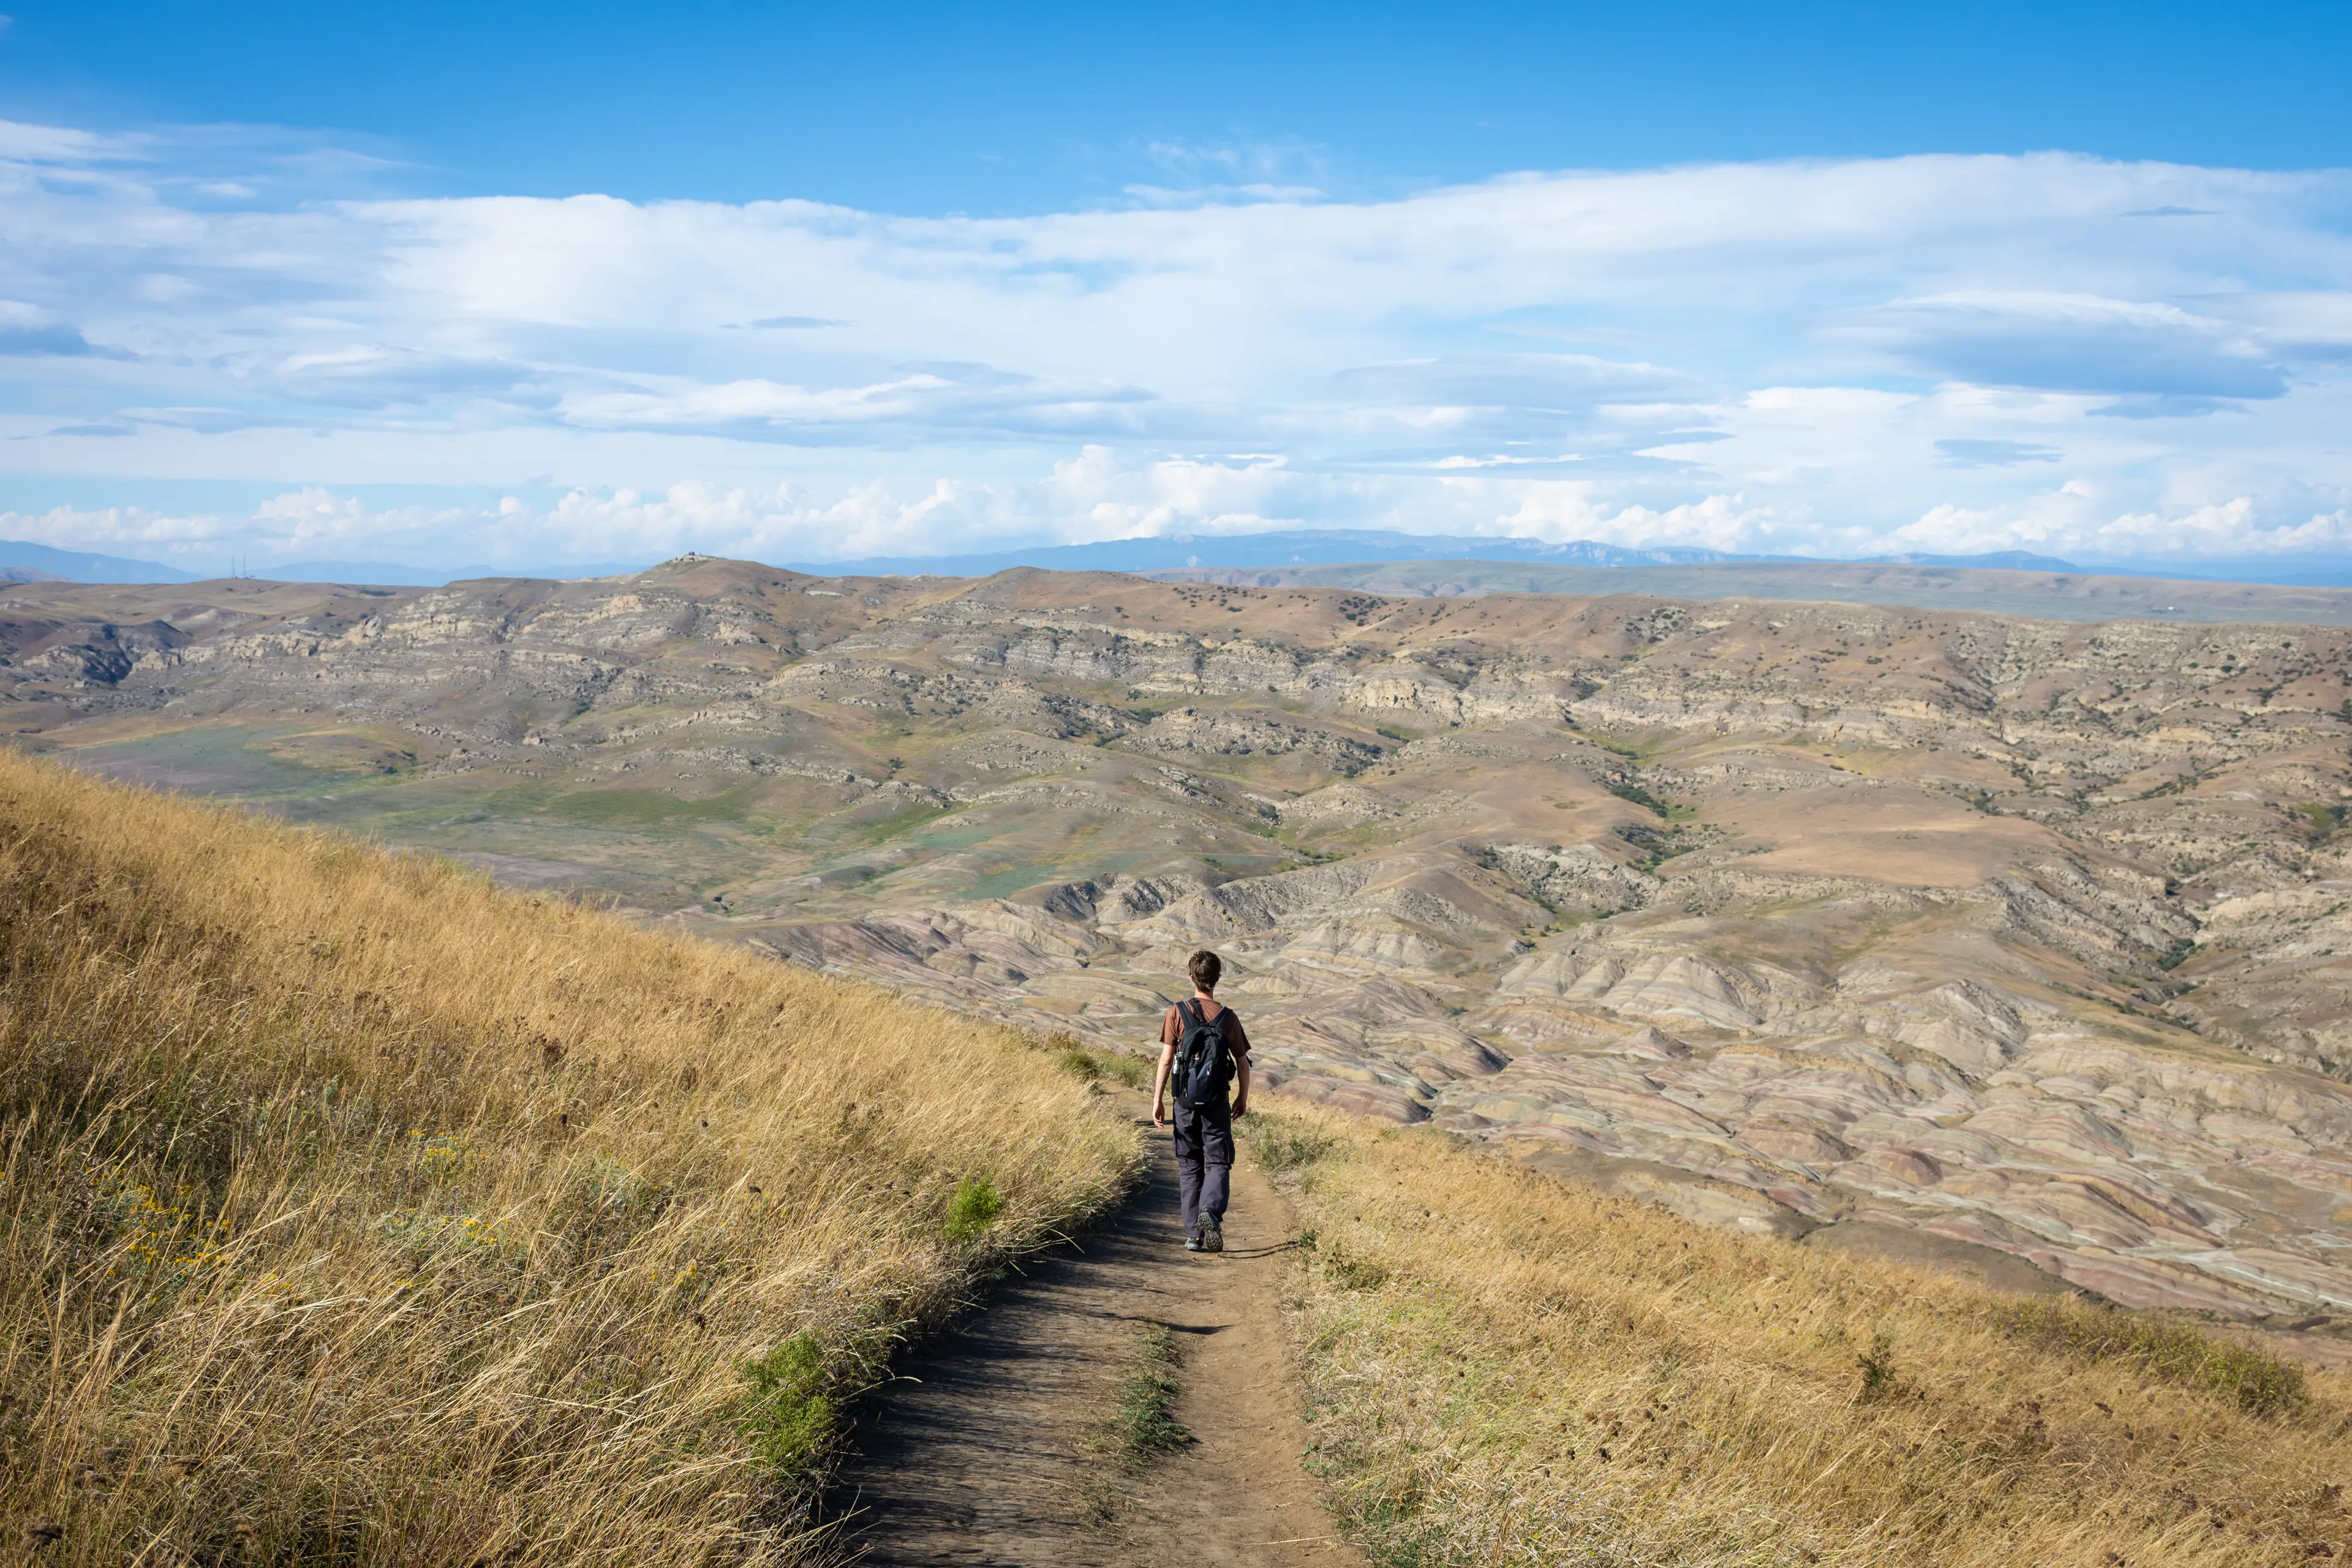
(360, 1213)
(1507, 1368)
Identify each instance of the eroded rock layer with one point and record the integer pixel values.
(2027, 940)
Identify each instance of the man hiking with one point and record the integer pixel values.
(1202, 1048)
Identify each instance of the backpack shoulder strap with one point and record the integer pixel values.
(1188, 1013)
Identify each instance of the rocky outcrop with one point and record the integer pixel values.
(1575, 877)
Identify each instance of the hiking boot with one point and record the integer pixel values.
(1193, 1242)
(1213, 1233)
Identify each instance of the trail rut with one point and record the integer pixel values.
(990, 1450)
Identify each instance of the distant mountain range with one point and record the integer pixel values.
(1295, 547)
(21, 561)
(17, 557)
(1320, 547)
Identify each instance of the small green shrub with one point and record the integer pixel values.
(787, 1416)
(1877, 1363)
(975, 1205)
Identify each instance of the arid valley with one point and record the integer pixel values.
(2019, 946)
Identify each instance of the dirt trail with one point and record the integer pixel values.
(991, 1453)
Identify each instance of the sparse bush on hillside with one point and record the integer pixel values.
(1877, 1366)
(973, 1209)
(357, 1212)
(1507, 1368)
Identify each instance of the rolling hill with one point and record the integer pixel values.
(2015, 945)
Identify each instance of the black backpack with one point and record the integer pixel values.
(1198, 1076)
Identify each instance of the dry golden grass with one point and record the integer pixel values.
(1505, 1368)
(360, 1213)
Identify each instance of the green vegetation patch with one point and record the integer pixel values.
(2162, 1347)
(641, 809)
(218, 759)
(1012, 879)
(787, 1414)
(2319, 822)
(910, 821)
(1143, 1425)
(344, 752)
(1630, 753)
(972, 1209)
(1626, 790)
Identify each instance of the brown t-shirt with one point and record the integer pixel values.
(1172, 1028)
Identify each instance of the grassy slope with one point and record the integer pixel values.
(1505, 1368)
(357, 1212)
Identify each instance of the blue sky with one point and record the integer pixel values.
(1022, 109)
(449, 284)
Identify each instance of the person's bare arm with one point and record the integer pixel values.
(1160, 1077)
(1241, 1086)
(1159, 1086)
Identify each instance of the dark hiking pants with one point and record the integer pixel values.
(1204, 1160)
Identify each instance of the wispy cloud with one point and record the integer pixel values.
(789, 324)
(1961, 452)
(1246, 169)
(1936, 353)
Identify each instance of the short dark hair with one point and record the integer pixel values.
(1204, 967)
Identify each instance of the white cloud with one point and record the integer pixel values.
(2067, 342)
(1825, 356)
(2083, 518)
(1098, 494)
